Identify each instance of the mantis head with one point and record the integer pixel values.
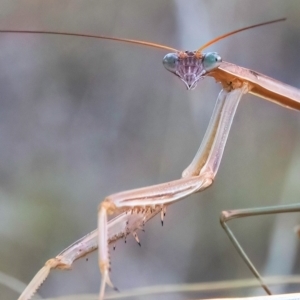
(190, 67)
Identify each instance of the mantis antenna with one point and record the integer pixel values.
(223, 36)
(138, 42)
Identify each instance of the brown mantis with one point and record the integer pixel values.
(136, 223)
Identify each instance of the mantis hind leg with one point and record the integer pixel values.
(241, 213)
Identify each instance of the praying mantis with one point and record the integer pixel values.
(138, 206)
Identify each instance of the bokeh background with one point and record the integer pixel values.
(83, 118)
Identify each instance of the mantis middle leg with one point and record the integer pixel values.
(249, 212)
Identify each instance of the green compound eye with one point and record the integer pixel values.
(170, 62)
(211, 61)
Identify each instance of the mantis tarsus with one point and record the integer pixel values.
(142, 204)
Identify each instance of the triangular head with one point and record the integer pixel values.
(190, 67)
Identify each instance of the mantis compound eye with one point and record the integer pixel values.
(211, 61)
(170, 62)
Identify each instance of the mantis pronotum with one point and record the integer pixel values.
(233, 90)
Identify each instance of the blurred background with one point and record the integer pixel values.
(83, 118)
